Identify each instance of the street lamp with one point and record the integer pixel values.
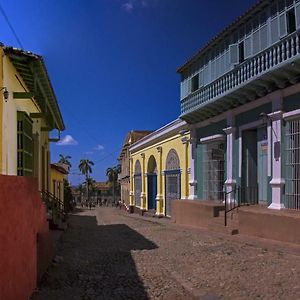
(5, 93)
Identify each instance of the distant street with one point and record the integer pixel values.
(109, 254)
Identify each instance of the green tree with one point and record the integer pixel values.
(65, 160)
(112, 175)
(85, 167)
(68, 198)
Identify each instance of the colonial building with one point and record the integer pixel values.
(240, 94)
(160, 169)
(124, 177)
(28, 112)
(59, 173)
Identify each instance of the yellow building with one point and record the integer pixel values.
(160, 169)
(59, 173)
(124, 177)
(28, 112)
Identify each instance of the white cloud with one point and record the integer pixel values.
(128, 6)
(99, 148)
(68, 140)
(88, 153)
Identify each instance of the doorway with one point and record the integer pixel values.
(151, 183)
(254, 181)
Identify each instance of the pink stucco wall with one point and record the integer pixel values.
(26, 246)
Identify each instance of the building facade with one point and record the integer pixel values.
(27, 114)
(240, 94)
(160, 169)
(124, 177)
(59, 173)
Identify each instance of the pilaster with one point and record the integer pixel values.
(230, 181)
(143, 193)
(193, 164)
(159, 196)
(277, 183)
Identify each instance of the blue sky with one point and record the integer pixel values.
(113, 63)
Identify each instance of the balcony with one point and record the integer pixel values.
(274, 68)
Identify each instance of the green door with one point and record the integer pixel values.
(262, 165)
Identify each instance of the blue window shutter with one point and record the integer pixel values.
(248, 47)
(282, 25)
(201, 78)
(297, 12)
(233, 54)
(255, 42)
(274, 30)
(264, 37)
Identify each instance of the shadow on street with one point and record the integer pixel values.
(96, 263)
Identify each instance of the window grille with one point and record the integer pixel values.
(172, 180)
(292, 165)
(213, 171)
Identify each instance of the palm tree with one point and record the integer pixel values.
(65, 160)
(112, 174)
(85, 167)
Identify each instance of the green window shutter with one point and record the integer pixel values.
(24, 144)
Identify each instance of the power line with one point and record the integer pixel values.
(11, 27)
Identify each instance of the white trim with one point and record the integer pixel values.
(161, 132)
(291, 115)
(213, 138)
(269, 158)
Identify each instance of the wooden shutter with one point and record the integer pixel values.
(234, 54)
(274, 30)
(256, 42)
(24, 145)
(206, 75)
(263, 37)
(297, 14)
(248, 47)
(201, 78)
(282, 25)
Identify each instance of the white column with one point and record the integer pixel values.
(193, 164)
(277, 181)
(230, 181)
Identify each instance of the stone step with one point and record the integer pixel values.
(149, 213)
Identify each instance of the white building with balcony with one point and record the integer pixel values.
(241, 96)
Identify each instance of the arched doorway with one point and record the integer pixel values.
(152, 182)
(172, 180)
(137, 183)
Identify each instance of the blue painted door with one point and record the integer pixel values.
(152, 191)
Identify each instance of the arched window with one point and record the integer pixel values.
(173, 162)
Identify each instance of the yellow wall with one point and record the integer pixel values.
(8, 145)
(58, 178)
(166, 145)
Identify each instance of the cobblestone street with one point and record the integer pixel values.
(108, 254)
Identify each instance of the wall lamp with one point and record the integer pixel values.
(5, 93)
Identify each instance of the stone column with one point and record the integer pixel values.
(159, 196)
(193, 165)
(131, 193)
(230, 181)
(277, 182)
(143, 175)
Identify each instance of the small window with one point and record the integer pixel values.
(291, 21)
(195, 83)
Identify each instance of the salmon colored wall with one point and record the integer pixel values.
(26, 247)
